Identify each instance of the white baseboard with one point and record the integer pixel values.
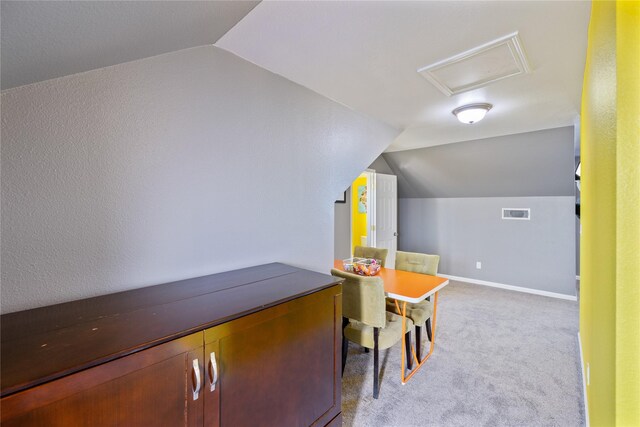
(511, 287)
(584, 384)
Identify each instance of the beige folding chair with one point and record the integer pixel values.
(366, 321)
(420, 313)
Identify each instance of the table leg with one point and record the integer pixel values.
(403, 312)
(419, 363)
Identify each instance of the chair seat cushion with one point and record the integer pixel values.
(417, 312)
(362, 334)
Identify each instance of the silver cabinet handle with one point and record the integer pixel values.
(213, 370)
(196, 370)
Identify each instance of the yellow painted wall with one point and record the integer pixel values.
(359, 220)
(610, 210)
(628, 215)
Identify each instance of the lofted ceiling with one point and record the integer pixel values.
(43, 40)
(363, 54)
(530, 164)
(366, 55)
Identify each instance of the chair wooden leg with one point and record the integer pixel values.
(419, 342)
(345, 344)
(428, 324)
(376, 379)
(407, 347)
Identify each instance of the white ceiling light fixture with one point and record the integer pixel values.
(472, 113)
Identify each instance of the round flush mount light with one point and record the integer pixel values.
(471, 113)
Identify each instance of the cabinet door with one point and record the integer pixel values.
(155, 387)
(212, 384)
(281, 366)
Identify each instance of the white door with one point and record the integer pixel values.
(386, 215)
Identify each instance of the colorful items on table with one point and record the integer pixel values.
(362, 266)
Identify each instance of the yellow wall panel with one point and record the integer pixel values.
(598, 214)
(610, 197)
(359, 219)
(628, 214)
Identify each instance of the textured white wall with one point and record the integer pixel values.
(537, 254)
(170, 167)
(342, 228)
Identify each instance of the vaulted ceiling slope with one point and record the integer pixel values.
(43, 40)
(537, 163)
(366, 56)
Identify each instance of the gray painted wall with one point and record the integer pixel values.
(577, 239)
(380, 165)
(529, 164)
(537, 254)
(170, 167)
(577, 200)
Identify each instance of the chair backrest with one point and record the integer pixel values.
(368, 252)
(417, 263)
(363, 298)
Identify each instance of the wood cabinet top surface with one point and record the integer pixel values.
(47, 343)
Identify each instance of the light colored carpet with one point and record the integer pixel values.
(501, 358)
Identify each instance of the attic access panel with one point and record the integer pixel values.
(480, 66)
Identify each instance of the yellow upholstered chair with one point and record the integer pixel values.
(368, 252)
(366, 321)
(420, 313)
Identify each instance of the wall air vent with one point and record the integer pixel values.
(516, 213)
(477, 67)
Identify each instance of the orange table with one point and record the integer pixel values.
(405, 286)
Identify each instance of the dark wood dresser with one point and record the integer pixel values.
(253, 347)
